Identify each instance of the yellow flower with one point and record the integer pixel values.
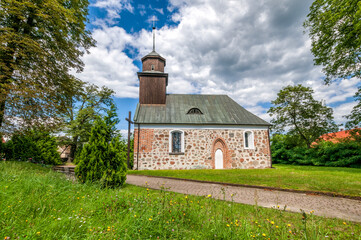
(272, 222)
(276, 226)
(135, 215)
(290, 231)
(209, 195)
(288, 225)
(263, 234)
(38, 233)
(150, 219)
(344, 223)
(312, 211)
(186, 197)
(227, 225)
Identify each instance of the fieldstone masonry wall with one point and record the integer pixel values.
(199, 149)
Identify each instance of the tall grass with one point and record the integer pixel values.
(36, 203)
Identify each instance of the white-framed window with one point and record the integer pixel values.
(248, 140)
(176, 141)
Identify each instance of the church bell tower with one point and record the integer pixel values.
(152, 80)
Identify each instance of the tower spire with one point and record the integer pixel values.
(153, 39)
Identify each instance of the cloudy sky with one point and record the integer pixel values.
(246, 49)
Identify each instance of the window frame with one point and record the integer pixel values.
(171, 141)
(250, 139)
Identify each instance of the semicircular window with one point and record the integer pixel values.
(194, 111)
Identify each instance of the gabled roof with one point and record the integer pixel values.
(337, 136)
(216, 109)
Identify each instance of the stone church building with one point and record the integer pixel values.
(184, 131)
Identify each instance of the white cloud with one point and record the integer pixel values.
(113, 8)
(108, 65)
(340, 111)
(246, 49)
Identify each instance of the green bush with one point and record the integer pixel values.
(342, 154)
(102, 159)
(36, 146)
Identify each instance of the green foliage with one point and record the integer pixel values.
(334, 28)
(41, 42)
(355, 116)
(325, 153)
(297, 111)
(36, 146)
(41, 204)
(7, 150)
(86, 105)
(101, 159)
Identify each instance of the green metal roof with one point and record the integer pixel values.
(216, 109)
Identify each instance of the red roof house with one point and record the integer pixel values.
(337, 136)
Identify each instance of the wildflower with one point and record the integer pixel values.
(209, 195)
(232, 195)
(312, 211)
(38, 233)
(278, 206)
(227, 225)
(272, 222)
(290, 231)
(263, 234)
(150, 219)
(344, 223)
(135, 215)
(19, 201)
(276, 226)
(186, 197)
(288, 225)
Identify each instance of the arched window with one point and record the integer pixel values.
(176, 141)
(194, 111)
(248, 140)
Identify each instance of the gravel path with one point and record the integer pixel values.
(325, 206)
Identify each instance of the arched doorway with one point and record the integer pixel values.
(218, 159)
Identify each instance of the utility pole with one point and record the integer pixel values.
(129, 120)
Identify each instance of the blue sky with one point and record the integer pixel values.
(246, 49)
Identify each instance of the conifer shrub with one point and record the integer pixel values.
(101, 159)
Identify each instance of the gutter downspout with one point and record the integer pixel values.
(269, 145)
(138, 147)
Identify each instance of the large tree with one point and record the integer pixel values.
(85, 105)
(335, 31)
(41, 41)
(296, 111)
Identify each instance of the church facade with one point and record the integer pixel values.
(184, 131)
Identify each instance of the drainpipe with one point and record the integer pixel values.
(138, 147)
(269, 145)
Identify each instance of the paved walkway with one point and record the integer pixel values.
(325, 206)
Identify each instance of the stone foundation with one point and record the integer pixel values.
(199, 149)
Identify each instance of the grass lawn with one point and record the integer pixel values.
(345, 181)
(36, 203)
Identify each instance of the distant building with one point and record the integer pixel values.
(183, 131)
(336, 136)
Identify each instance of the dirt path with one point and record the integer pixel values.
(325, 206)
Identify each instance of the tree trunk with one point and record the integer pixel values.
(73, 148)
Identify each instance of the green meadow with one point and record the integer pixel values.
(37, 203)
(339, 180)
